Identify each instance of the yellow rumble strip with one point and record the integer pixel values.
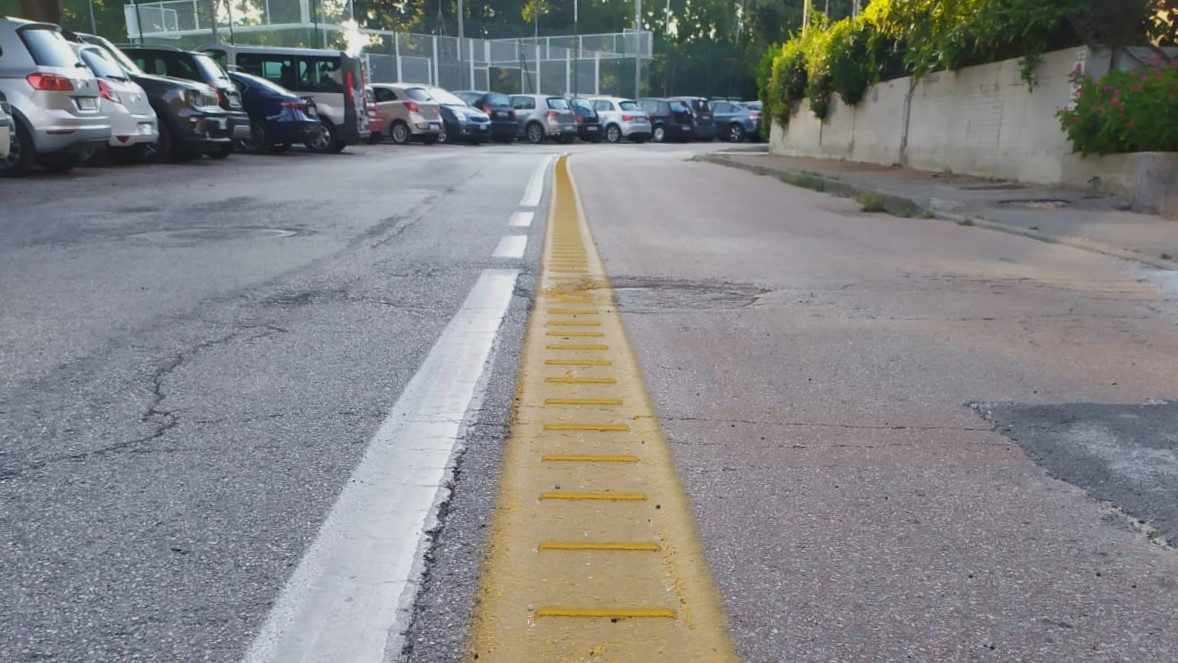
(594, 555)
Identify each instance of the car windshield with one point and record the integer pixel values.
(581, 105)
(445, 97)
(558, 103)
(629, 105)
(48, 47)
(264, 84)
(118, 56)
(418, 94)
(210, 69)
(679, 107)
(496, 99)
(101, 64)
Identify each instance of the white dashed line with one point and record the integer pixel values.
(535, 188)
(351, 597)
(522, 219)
(512, 246)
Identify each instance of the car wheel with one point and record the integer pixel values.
(660, 133)
(535, 133)
(735, 133)
(60, 163)
(443, 137)
(400, 133)
(220, 153)
(22, 156)
(323, 141)
(158, 151)
(258, 139)
(613, 133)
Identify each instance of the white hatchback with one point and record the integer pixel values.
(622, 118)
(133, 124)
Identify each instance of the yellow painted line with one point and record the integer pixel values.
(606, 613)
(594, 495)
(582, 380)
(576, 334)
(572, 323)
(621, 547)
(588, 458)
(601, 428)
(578, 362)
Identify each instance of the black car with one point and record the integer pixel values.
(588, 122)
(498, 107)
(460, 120)
(189, 65)
(703, 126)
(191, 121)
(669, 119)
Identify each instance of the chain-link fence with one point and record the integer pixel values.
(611, 63)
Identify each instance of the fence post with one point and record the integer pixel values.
(470, 52)
(568, 70)
(435, 71)
(537, 90)
(397, 55)
(597, 72)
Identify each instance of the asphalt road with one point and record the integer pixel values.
(902, 439)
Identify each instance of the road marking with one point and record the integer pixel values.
(511, 246)
(541, 600)
(626, 547)
(354, 588)
(578, 362)
(522, 219)
(535, 188)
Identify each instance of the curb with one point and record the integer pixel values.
(911, 207)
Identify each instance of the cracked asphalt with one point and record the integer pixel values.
(902, 439)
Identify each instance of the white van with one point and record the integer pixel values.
(333, 79)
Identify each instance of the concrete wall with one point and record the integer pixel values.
(981, 121)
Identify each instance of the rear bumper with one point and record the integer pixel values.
(203, 129)
(630, 129)
(239, 125)
(287, 131)
(589, 131)
(130, 129)
(469, 131)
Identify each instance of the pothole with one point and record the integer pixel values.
(640, 295)
(214, 234)
(1036, 203)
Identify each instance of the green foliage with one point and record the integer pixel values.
(847, 52)
(1135, 111)
(787, 81)
(816, 50)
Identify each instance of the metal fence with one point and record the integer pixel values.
(611, 63)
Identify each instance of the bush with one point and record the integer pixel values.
(1135, 111)
(787, 81)
(850, 67)
(819, 84)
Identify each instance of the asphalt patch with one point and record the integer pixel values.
(1126, 455)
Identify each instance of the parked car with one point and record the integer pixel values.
(460, 120)
(409, 112)
(190, 119)
(134, 128)
(193, 66)
(669, 119)
(755, 111)
(375, 123)
(504, 125)
(588, 122)
(622, 119)
(278, 117)
(735, 122)
(703, 126)
(6, 128)
(53, 98)
(334, 79)
(542, 116)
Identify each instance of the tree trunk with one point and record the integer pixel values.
(48, 11)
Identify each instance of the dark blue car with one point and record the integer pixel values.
(278, 117)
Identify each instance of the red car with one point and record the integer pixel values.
(375, 123)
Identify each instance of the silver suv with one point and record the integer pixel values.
(54, 99)
(543, 116)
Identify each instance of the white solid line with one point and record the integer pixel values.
(536, 184)
(522, 219)
(511, 246)
(352, 594)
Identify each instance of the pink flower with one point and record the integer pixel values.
(1131, 123)
(1114, 101)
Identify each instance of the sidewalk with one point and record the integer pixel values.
(1090, 221)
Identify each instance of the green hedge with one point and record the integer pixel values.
(895, 38)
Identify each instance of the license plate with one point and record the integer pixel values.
(593, 127)
(434, 125)
(220, 123)
(87, 103)
(241, 131)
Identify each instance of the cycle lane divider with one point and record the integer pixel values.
(593, 553)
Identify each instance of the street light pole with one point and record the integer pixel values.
(637, 48)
